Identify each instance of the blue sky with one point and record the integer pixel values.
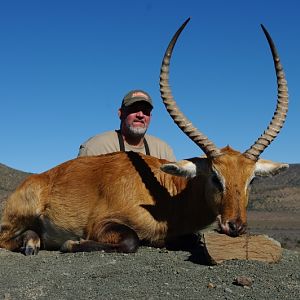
(65, 66)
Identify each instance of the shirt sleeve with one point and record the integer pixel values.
(84, 151)
(103, 143)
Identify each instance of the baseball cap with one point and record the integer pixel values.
(136, 96)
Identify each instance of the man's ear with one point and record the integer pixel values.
(188, 168)
(268, 168)
(119, 112)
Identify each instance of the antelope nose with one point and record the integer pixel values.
(233, 229)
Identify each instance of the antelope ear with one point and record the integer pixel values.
(269, 168)
(188, 168)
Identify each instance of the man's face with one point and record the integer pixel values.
(136, 118)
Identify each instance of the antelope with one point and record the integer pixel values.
(117, 202)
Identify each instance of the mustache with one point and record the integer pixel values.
(139, 120)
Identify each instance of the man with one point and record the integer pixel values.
(135, 116)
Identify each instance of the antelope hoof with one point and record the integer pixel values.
(31, 243)
(29, 250)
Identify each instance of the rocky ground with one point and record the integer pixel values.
(148, 274)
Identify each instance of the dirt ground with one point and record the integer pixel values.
(283, 226)
(150, 273)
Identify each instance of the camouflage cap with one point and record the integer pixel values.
(136, 96)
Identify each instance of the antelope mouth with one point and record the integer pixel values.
(232, 228)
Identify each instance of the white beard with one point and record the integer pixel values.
(136, 132)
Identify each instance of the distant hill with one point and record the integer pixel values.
(9, 180)
(277, 193)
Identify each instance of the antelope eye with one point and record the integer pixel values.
(252, 180)
(216, 182)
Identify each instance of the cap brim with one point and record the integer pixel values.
(135, 100)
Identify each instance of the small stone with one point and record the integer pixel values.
(7, 296)
(210, 285)
(243, 281)
(163, 251)
(228, 290)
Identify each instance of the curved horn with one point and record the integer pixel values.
(179, 118)
(281, 109)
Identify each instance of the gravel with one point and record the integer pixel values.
(148, 274)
